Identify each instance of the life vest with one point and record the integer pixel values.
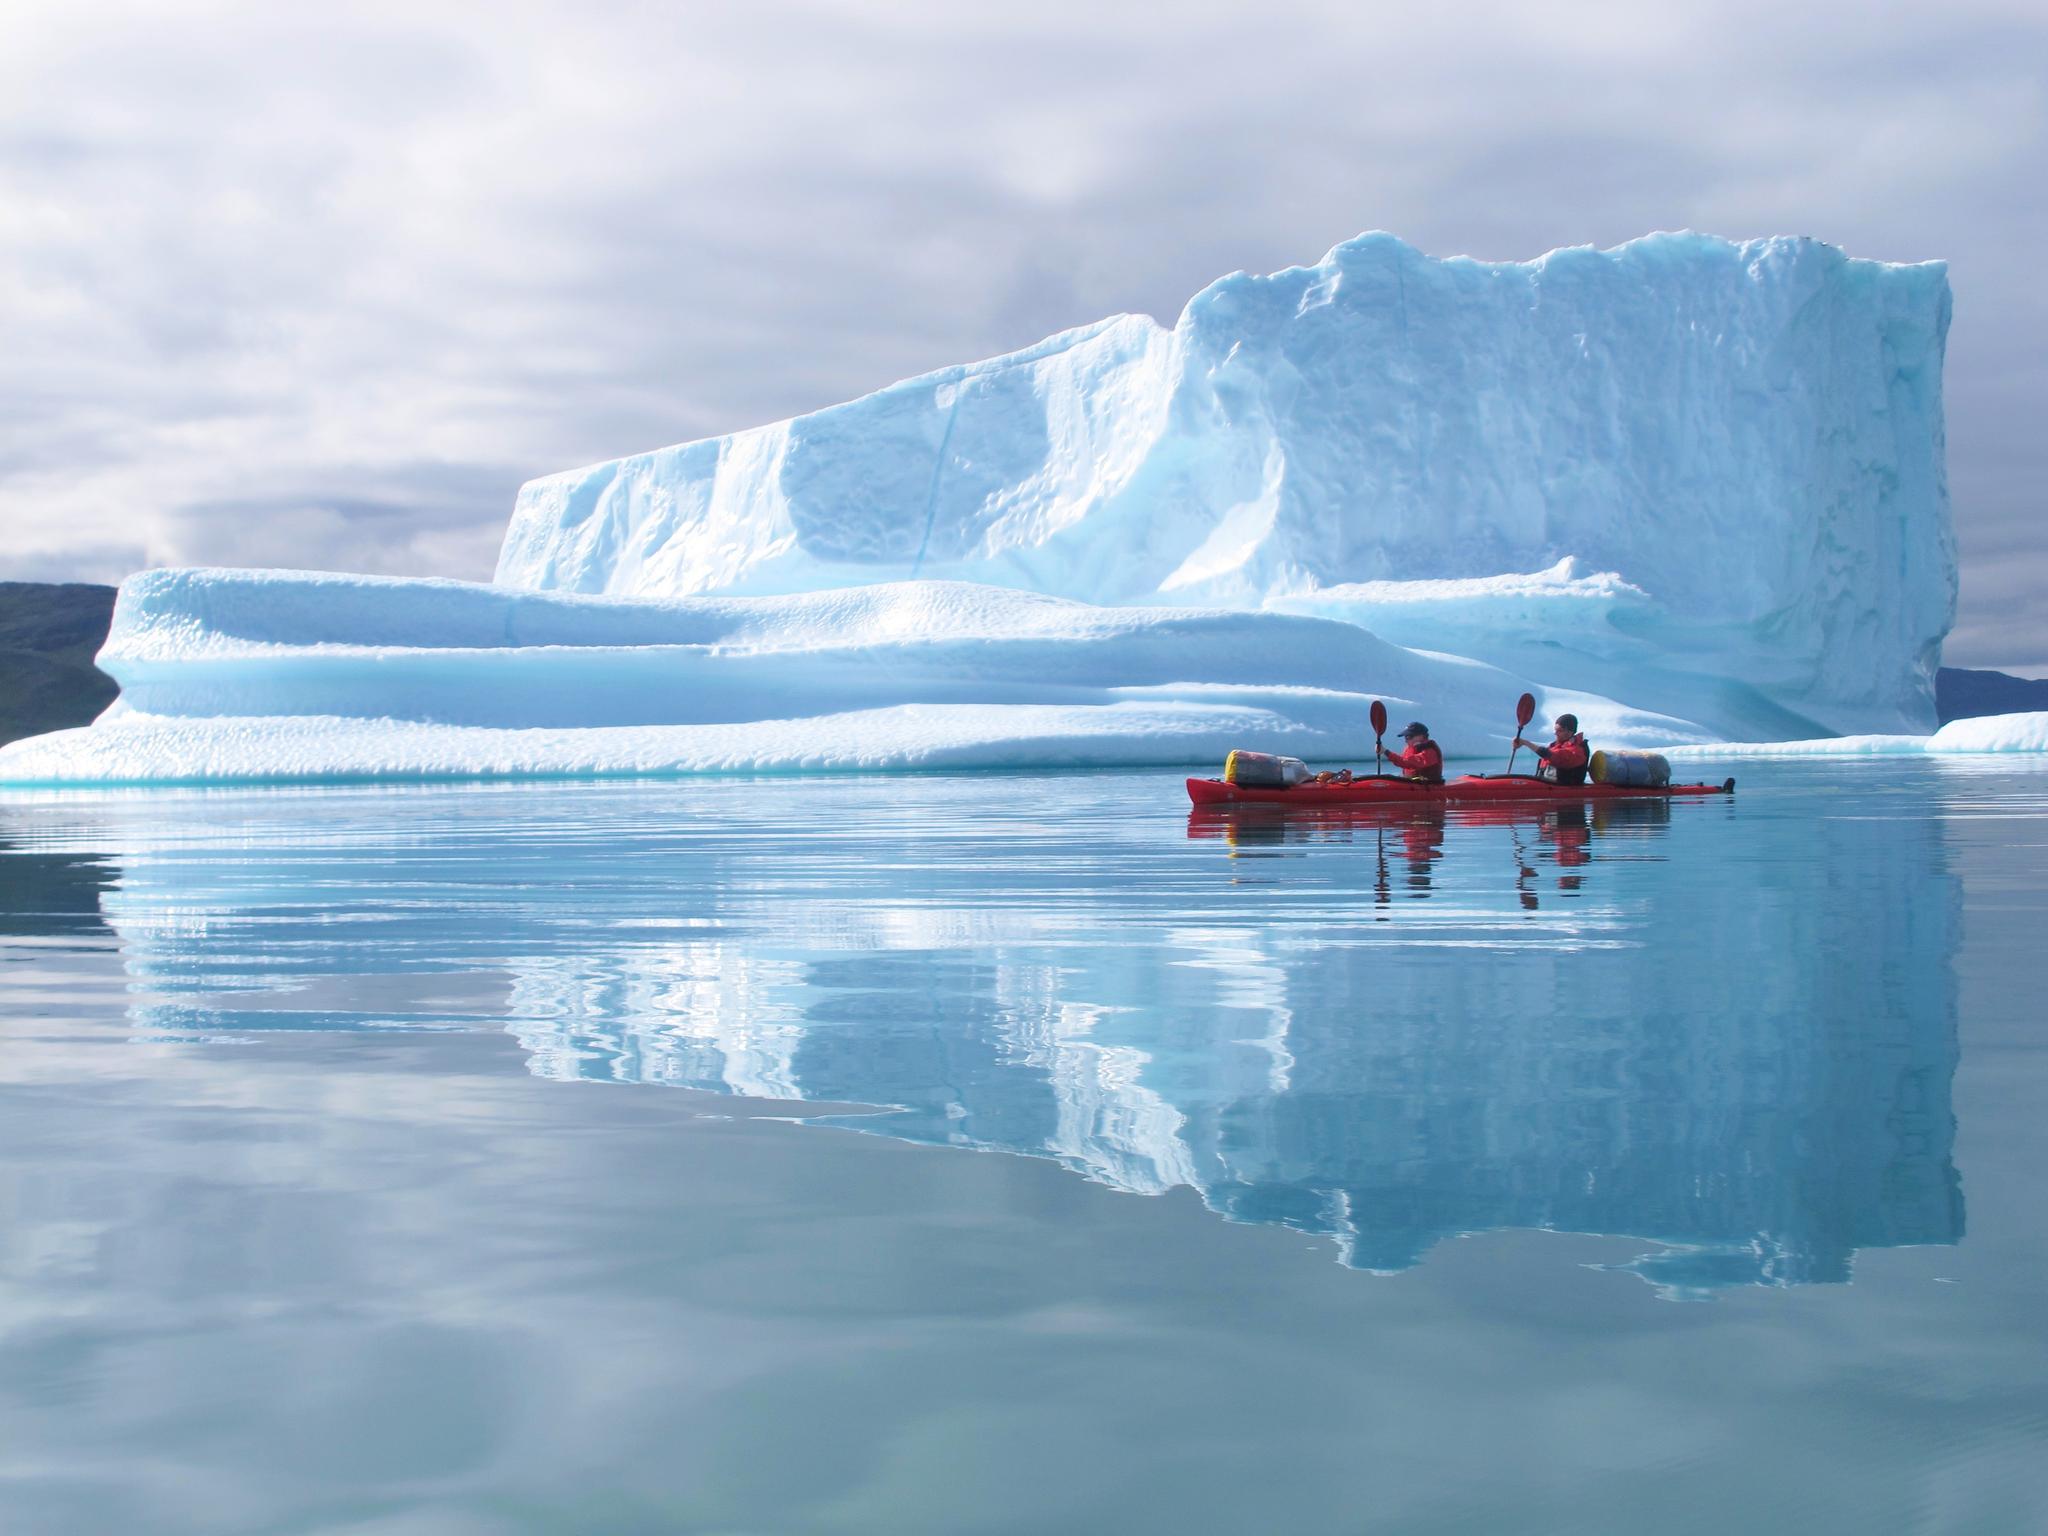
(1565, 762)
(1426, 762)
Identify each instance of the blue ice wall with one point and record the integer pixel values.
(1748, 435)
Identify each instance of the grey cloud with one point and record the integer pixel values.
(384, 520)
(105, 564)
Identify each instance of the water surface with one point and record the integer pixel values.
(601, 1158)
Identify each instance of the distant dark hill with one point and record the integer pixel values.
(1960, 694)
(48, 636)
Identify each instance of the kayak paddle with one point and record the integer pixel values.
(1525, 711)
(1379, 729)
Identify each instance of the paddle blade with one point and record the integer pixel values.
(1379, 718)
(1525, 710)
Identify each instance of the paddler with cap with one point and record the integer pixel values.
(1423, 760)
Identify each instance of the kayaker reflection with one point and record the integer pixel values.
(1566, 830)
(1564, 760)
(1422, 843)
(1421, 834)
(1569, 836)
(1423, 759)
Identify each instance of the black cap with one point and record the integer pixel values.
(1569, 722)
(1414, 728)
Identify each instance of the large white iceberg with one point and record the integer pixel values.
(1691, 490)
(1741, 446)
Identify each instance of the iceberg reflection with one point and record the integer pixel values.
(1730, 1034)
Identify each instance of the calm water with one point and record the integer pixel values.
(425, 1160)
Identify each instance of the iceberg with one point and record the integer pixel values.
(2025, 732)
(1690, 490)
(1740, 445)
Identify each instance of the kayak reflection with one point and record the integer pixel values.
(1550, 847)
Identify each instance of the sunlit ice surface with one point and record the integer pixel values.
(596, 1157)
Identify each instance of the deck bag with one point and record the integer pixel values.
(1631, 770)
(1262, 770)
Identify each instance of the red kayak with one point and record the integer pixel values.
(1473, 788)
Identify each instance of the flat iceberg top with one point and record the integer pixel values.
(1561, 581)
(1745, 441)
(185, 613)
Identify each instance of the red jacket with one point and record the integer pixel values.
(1567, 759)
(1425, 762)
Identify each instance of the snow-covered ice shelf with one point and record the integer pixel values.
(2026, 732)
(281, 675)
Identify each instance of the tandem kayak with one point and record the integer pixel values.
(1473, 788)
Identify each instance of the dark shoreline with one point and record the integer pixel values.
(49, 634)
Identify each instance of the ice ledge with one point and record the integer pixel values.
(1981, 734)
(241, 675)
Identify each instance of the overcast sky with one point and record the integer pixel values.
(284, 288)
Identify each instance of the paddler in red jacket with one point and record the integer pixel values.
(1424, 759)
(1565, 759)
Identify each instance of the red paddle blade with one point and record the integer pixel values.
(1379, 718)
(1525, 710)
